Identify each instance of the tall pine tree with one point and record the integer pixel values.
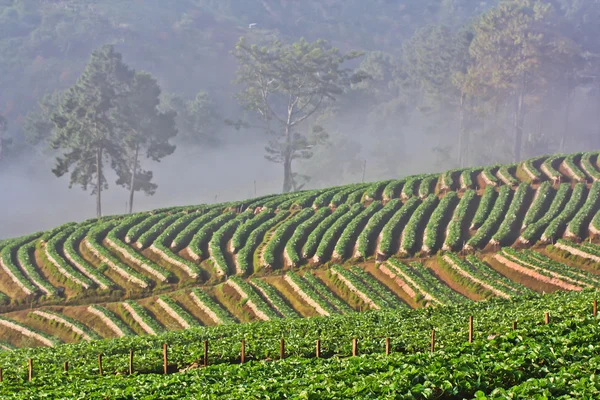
(85, 131)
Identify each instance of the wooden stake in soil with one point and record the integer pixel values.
(165, 359)
(432, 340)
(318, 348)
(514, 325)
(243, 353)
(1, 377)
(354, 347)
(100, 364)
(470, 329)
(30, 369)
(131, 362)
(206, 353)
(282, 349)
(387, 346)
(546, 318)
(66, 366)
(595, 308)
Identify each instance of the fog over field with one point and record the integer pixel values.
(425, 93)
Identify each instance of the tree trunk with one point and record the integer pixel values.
(132, 182)
(519, 119)
(99, 182)
(461, 131)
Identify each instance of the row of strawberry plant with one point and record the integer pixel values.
(516, 208)
(356, 285)
(218, 242)
(575, 172)
(457, 223)
(394, 227)
(7, 254)
(549, 167)
(119, 247)
(26, 259)
(211, 307)
(70, 249)
(175, 311)
(530, 169)
(24, 330)
(427, 185)
(251, 296)
(505, 174)
(74, 277)
(549, 267)
(271, 295)
(409, 240)
(74, 325)
(143, 318)
(111, 320)
(411, 187)
(183, 238)
(487, 229)
(252, 222)
(413, 283)
(578, 226)
(535, 228)
(488, 175)
(491, 275)
(489, 280)
(486, 204)
(324, 199)
(378, 288)
(436, 223)
(589, 166)
(447, 179)
(331, 236)
(467, 178)
(94, 244)
(304, 200)
(151, 219)
(49, 234)
(558, 224)
(347, 240)
(147, 238)
(281, 235)
(301, 233)
(541, 201)
(364, 243)
(393, 189)
(322, 289)
(315, 236)
(245, 257)
(375, 190)
(356, 196)
(340, 197)
(309, 295)
(202, 236)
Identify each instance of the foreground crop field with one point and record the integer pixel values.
(431, 240)
(517, 351)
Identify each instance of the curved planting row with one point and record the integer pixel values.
(41, 337)
(437, 222)
(111, 320)
(184, 237)
(26, 259)
(274, 299)
(292, 252)
(316, 234)
(377, 288)
(217, 246)
(365, 243)
(175, 311)
(558, 224)
(211, 308)
(454, 232)
(52, 251)
(358, 287)
(77, 327)
(392, 230)
(487, 229)
(281, 235)
(202, 236)
(7, 254)
(347, 240)
(418, 219)
(141, 316)
(322, 290)
(333, 233)
(253, 300)
(308, 294)
(516, 208)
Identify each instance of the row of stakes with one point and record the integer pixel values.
(281, 349)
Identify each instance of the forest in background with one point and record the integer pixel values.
(450, 83)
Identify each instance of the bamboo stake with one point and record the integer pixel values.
(432, 340)
(546, 318)
(470, 329)
(595, 308)
(354, 347)
(1, 377)
(282, 349)
(243, 353)
(66, 366)
(165, 359)
(514, 325)
(30, 369)
(206, 353)
(318, 348)
(387, 346)
(100, 364)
